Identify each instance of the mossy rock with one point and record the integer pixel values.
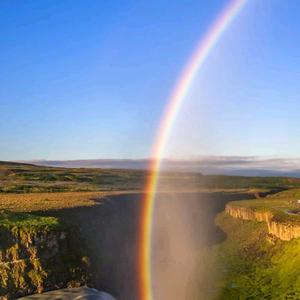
(39, 253)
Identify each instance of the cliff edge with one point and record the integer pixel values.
(280, 214)
(38, 254)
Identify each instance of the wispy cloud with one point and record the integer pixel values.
(244, 165)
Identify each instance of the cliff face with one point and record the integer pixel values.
(285, 232)
(281, 230)
(248, 214)
(35, 258)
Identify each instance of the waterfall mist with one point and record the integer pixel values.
(183, 225)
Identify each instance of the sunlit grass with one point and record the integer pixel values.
(256, 268)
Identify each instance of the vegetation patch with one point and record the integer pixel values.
(38, 253)
(25, 178)
(248, 265)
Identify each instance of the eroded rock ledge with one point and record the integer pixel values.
(282, 230)
(38, 254)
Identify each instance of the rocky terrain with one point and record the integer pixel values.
(38, 254)
(280, 220)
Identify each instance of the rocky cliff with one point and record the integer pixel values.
(38, 254)
(283, 230)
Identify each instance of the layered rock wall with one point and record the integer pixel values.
(283, 231)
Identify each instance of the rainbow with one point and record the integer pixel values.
(177, 97)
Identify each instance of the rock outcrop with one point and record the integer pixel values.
(282, 230)
(285, 232)
(35, 257)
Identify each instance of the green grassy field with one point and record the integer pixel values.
(24, 178)
(26, 188)
(252, 267)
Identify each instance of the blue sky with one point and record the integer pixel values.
(90, 79)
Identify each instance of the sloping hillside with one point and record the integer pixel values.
(260, 256)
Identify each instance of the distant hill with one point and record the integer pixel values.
(12, 163)
(219, 165)
(141, 164)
